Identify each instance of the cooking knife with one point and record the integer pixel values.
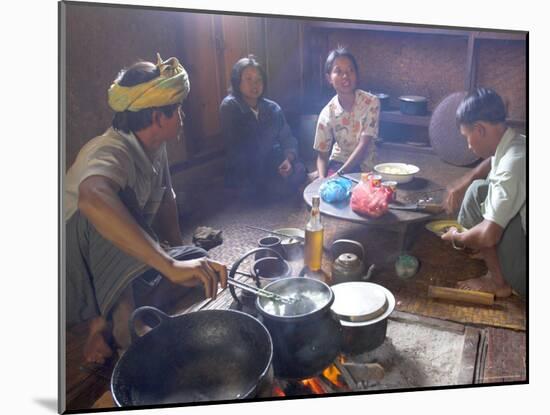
(418, 207)
(351, 179)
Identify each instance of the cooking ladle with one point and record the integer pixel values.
(261, 292)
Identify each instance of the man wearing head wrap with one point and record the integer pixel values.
(119, 205)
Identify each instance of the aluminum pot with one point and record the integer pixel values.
(273, 242)
(269, 269)
(245, 298)
(208, 355)
(306, 336)
(384, 101)
(363, 309)
(413, 105)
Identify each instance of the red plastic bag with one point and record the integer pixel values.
(370, 200)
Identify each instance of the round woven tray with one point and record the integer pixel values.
(445, 137)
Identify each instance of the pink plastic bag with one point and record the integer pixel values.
(370, 200)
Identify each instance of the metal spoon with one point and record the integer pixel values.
(261, 292)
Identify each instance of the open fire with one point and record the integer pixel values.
(340, 376)
(331, 380)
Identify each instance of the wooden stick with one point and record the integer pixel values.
(455, 294)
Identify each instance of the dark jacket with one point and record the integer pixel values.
(255, 141)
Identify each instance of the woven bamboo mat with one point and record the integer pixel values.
(441, 265)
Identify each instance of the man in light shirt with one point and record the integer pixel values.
(492, 197)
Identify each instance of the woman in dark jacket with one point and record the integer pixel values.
(261, 152)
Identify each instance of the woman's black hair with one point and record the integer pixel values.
(237, 72)
(340, 51)
(483, 104)
(132, 121)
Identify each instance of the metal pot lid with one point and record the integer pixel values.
(312, 295)
(360, 302)
(413, 98)
(348, 260)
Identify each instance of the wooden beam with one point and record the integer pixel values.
(511, 36)
(422, 30)
(471, 63)
(417, 29)
(427, 321)
(466, 376)
(481, 357)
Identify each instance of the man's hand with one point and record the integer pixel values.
(285, 169)
(455, 194)
(457, 190)
(449, 234)
(199, 271)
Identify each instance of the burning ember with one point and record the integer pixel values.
(277, 391)
(341, 376)
(334, 376)
(330, 381)
(314, 385)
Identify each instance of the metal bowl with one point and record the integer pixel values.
(397, 172)
(293, 248)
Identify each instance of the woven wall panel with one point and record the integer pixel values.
(98, 47)
(407, 64)
(502, 66)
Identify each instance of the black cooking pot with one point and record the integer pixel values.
(306, 337)
(209, 355)
(363, 309)
(384, 101)
(413, 105)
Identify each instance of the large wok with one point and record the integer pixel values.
(208, 355)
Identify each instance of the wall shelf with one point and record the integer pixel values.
(405, 147)
(397, 117)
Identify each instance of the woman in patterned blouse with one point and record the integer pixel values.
(348, 123)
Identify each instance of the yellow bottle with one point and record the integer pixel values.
(313, 250)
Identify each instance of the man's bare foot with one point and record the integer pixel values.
(96, 348)
(488, 284)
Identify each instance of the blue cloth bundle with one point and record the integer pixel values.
(335, 190)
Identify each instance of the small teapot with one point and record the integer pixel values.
(348, 262)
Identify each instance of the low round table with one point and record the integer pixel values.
(394, 220)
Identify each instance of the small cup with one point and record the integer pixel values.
(273, 242)
(269, 269)
(392, 185)
(376, 180)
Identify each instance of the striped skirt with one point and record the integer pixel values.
(98, 272)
